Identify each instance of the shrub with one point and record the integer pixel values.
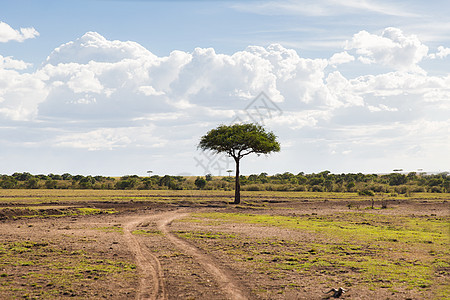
(436, 189)
(401, 189)
(378, 188)
(200, 183)
(282, 187)
(300, 188)
(253, 187)
(417, 189)
(317, 188)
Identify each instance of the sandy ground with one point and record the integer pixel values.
(167, 265)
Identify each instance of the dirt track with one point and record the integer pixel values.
(180, 256)
(152, 283)
(222, 276)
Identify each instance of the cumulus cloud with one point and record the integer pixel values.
(110, 95)
(341, 58)
(392, 49)
(343, 90)
(20, 93)
(10, 63)
(7, 33)
(94, 47)
(442, 53)
(93, 76)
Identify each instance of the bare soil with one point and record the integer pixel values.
(150, 249)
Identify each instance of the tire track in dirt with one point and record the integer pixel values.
(222, 277)
(151, 285)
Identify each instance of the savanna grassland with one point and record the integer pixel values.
(193, 244)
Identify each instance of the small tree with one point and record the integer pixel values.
(200, 183)
(237, 141)
(208, 177)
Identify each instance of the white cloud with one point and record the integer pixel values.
(112, 95)
(381, 107)
(148, 90)
(341, 58)
(94, 47)
(10, 63)
(343, 90)
(392, 49)
(85, 82)
(299, 120)
(443, 52)
(21, 94)
(398, 83)
(129, 81)
(7, 33)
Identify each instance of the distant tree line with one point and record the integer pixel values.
(364, 184)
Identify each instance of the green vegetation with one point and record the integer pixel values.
(43, 270)
(51, 211)
(364, 184)
(237, 141)
(376, 250)
(280, 241)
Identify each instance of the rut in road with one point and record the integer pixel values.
(151, 285)
(223, 278)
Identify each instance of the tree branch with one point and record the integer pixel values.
(249, 152)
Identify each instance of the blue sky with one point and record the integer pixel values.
(122, 87)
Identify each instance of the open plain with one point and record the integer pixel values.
(97, 244)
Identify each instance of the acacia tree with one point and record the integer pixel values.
(237, 141)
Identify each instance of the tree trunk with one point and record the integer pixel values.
(237, 188)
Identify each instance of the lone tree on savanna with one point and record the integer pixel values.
(237, 141)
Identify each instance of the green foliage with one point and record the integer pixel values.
(172, 182)
(200, 183)
(239, 140)
(321, 182)
(8, 182)
(127, 182)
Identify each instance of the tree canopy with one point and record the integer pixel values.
(237, 141)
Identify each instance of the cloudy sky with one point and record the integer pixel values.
(123, 87)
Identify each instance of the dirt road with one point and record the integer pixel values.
(152, 278)
(151, 285)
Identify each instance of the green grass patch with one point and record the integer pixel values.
(382, 251)
(93, 211)
(362, 226)
(42, 270)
